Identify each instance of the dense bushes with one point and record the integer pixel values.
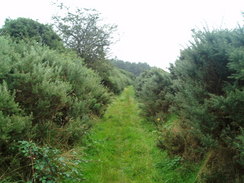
(153, 88)
(26, 29)
(134, 68)
(118, 79)
(206, 92)
(29, 30)
(14, 124)
(113, 78)
(46, 97)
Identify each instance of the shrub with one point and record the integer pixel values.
(28, 29)
(45, 164)
(206, 93)
(113, 78)
(209, 96)
(153, 88)
(134, 68)
(46, 96)
(14, 125)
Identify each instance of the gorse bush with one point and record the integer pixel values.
(134, 68)
(207, 94)
(49, 97)
(46, 96)
(28, 29)
(119, 79)
(14, 124)
(153, 90)
(113, 78)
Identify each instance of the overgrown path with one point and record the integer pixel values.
(121, 148)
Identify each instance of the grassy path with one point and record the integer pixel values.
(120, 148)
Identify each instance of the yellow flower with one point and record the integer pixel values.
(158, 119)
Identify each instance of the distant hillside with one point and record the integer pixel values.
(135, 68)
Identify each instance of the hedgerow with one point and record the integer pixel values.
(206, 93)
(47, 97)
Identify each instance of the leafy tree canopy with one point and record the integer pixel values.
(83, 31)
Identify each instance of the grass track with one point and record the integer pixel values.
(119, 148)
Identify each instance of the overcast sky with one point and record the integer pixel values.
(151, 31)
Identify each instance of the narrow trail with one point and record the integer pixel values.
(121, 147)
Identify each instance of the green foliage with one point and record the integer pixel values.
(46, 96)
(119, 79)
(13, 123)
(238, 144)
(236, 64)
(209, 96)
(205, 91)
(152, 89)
(28, 29)
(175, 170)
(134, 68)
(113, 78)
(83, 32)
(47, 165)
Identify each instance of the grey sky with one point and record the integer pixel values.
(151, 31)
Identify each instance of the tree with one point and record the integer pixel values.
(83, 32)
(25, 28)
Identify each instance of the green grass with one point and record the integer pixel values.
(121, 148)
